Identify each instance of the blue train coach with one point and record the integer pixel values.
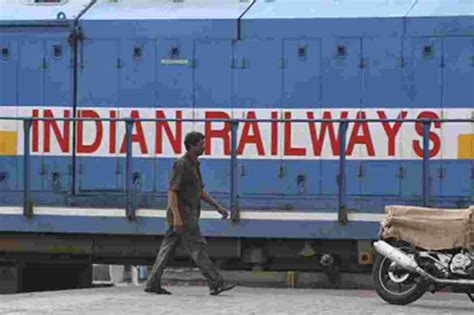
(317, 114)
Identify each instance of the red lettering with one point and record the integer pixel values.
(288, 149)
(139, 136)
(417, 147)
(256, 138)
(113, 132)
(363, 138)
(35, 132)
(63, 139)
(81, 146)
(175, 141)
(274, 133)
(392, 131)
(224, 133)
(326, 127)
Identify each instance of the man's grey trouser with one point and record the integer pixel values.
(195, 245)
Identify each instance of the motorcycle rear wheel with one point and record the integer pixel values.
(395, 285)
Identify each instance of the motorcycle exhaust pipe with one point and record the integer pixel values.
(397, 256)
(404, 261)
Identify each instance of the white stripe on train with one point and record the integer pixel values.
(205, 214)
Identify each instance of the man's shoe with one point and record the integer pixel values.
(159, 290)
(221, 288)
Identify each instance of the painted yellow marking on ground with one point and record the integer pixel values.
(8, 142)
(466, 146)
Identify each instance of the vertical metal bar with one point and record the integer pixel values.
(27, 205)
(342, 206)
(234, 204)
(130, 210)
(426, 166)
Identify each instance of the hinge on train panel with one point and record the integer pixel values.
(284, 63)
(43, 169)
(44, 64)
(442, 64)
(117, 168)
(361, 172)
(118, 65)
(193, 63)
(243, 169)
(363, 63)
(441, 172)
(281, 171)
(402, 62)
(401, 172)
(472, 172)
(239, 63)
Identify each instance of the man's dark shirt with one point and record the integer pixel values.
(186, 180)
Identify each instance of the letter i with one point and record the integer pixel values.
(112, 132)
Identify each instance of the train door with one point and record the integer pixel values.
(257, 83)
(382, 98)
(136, 99)
(174, 99)
(424, 59)
(9, 130)
(98, 148)
(30, 97)
(341, 97)
(302, 97)
(457, 169)
(58, 94)
(213, 99)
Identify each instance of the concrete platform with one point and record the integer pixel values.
(191, 276)
(128, 299)
(274, 279)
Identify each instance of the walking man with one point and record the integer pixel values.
(184, 206)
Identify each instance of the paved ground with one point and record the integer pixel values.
(242, 300)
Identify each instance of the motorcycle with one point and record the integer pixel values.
(424, 250)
